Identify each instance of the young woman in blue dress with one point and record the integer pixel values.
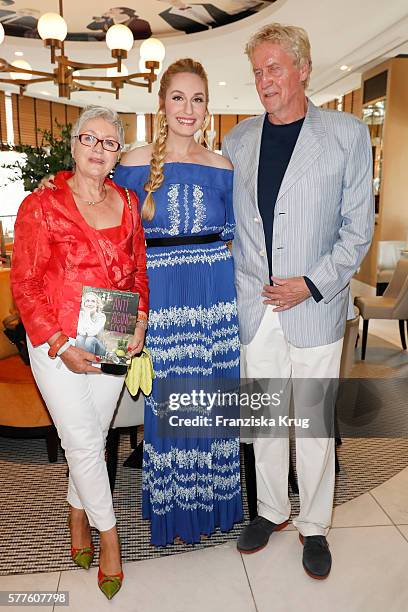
(191, 484)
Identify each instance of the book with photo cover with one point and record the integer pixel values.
(106, 323)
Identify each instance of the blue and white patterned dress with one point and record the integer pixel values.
(191, 486)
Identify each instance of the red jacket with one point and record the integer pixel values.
(56, 253)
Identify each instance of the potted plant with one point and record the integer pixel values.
(53, 155)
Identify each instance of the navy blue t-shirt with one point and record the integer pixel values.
(277, 144)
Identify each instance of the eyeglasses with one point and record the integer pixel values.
(88, 140)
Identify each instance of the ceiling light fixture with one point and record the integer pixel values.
(18, 53)
(344, 67)
(222, 83)
(68, 75)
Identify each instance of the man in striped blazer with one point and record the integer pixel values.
(304, 215)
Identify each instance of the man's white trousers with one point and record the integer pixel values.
(270, 356)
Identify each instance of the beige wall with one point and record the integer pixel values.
(392, 220)
(393, 217)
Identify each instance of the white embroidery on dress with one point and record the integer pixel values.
(199, 208)
(183, 250)
(178, 257)
(216, 229)
(174, 209)
(182, 315)
(213, 229)
(196, 490)
(191, 370)
(156, 230)
(168, 352)
(184, 336)
(195, 351)
(186, 209)
(228, 231)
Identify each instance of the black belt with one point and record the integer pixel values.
(180, 240)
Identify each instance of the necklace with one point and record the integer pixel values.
(91, 202)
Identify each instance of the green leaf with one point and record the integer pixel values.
(51, 157)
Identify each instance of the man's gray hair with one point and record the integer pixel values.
(98, 112)
(292, 39)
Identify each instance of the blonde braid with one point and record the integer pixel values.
(156, 175)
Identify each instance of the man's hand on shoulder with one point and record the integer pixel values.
(286, 293)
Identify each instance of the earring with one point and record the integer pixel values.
(206, 122)
(203, 128)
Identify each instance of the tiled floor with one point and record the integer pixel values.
(369, 544)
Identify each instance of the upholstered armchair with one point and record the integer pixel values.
(388, 254)
(22, 411)
(392, 305)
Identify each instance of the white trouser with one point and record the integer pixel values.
(82, 407)
(270, 355)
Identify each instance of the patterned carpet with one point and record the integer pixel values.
(33, 510)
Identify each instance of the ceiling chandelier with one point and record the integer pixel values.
(67, 74)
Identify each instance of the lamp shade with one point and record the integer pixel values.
(52, 25)
(1, 33)
(152, 49)
(119, 37)
(113, 72)
(21, 75)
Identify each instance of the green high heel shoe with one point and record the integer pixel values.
(82, 557)
(109, 585)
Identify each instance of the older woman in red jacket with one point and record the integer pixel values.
(86, 232)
